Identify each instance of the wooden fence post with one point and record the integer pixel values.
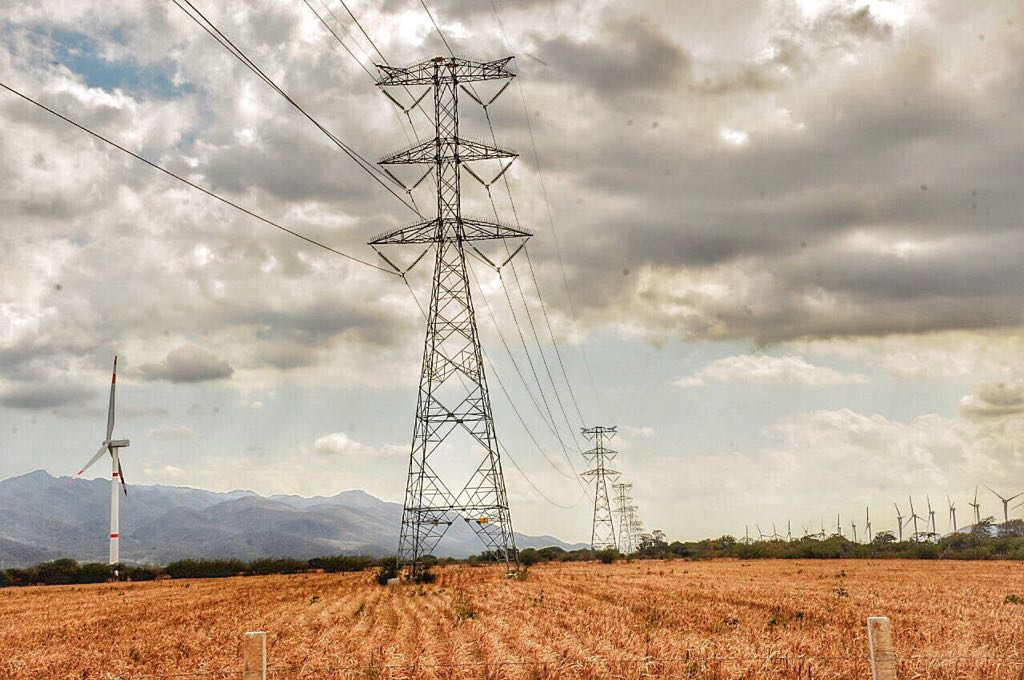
(254, 656)
(883, 659)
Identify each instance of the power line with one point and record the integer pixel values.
(181, 179)
(367, 35)
(436, 27)
(336, 36)
(203, 22)
(515, 214)
(547, 205)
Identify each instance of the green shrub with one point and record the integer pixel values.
(15, 577)
(56, 572)
(340, 563)
(205, 568)
(141, 573)
(529, 557)
(94, 572)
(608, 555)
(270, 565)
(388, 570)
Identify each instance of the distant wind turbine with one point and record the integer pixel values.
(113, 447)
(867, 522)
(931, 518)
(952, 513)
(913, 518)
(899, 521)
(1006, 502)
(977, 507)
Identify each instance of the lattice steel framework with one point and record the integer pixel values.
(625, 509)
(453, 392)
(602, 535)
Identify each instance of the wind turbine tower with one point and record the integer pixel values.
(933, 532)
(113, 447)
(867, 523)
(977, 507)
(899, 521)
(602, 535)
(952, 513)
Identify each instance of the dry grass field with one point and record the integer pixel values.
(723, 619)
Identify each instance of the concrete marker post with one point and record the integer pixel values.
(254, 655)
(883, 658)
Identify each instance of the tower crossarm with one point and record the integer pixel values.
(455, 149)
(458, 69)
(431, 232)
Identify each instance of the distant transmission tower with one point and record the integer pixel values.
(602, 536)
(625, 509)
(453, 401)
(636, 530)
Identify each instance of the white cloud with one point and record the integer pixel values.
(341, 444)
(763, 369)
(172, 432)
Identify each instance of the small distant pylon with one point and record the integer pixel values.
(626, 509)
(602, 535)
(636, 530)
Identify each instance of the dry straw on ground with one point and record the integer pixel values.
(728, 619)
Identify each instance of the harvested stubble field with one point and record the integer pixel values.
(723, 619)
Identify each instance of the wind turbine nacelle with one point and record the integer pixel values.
(118, 443)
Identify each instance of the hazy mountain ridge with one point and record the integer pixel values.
(43, 517)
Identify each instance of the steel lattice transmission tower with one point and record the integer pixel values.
(453, 400)
(602, 535)
(625, 509)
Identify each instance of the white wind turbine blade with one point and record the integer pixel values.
(103, 449)
(110, 410)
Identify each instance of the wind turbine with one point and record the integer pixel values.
(113, 447)
(1006, 502)
(853, 523)
(977, 507)
(867, 522)
(775, 533)
(839, 527)
(914, 517)
(789, 530)
(931, 518)
(761, 535)
(899, 521)
(952, 513)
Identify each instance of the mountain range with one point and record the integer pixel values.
(44, 517)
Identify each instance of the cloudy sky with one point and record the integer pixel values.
(784, 235)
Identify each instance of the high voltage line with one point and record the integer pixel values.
(200, 19)
(376, 174)
(547, 204)
(552, 426)
(190, 183)
(515, 214)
